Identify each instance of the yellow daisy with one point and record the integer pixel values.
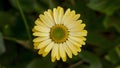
(59, 33)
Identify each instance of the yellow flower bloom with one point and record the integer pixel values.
(59, 33)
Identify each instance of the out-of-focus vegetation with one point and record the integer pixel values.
(102, 18)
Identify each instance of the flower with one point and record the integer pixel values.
(59, 33)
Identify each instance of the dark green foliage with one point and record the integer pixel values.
(102, 19)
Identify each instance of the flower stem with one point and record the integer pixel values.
(25, 21)
(76, 64)
(21, 42)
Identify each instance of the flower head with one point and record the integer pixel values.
(59, 33)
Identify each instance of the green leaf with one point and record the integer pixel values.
(91, 58)
(105, 6)
(1, 4)
(113, 55)
(82, 66)
(98, 40)
(41, 63)
(37, 7)
(6, 18)
(112, 21)
(11, 25)
(2, 47)
(27, 5)
(52, 4)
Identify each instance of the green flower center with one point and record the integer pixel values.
(59, 33)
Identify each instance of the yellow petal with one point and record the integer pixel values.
(62, 52)
(41, 34)
(60, 14)
(57, 51)
(45, 54)
(68, 51)
(36, 45)
(44, 43)
(83, 43)
(68, 20)
(49, 15)
(53, 58)
(48, 21)
(75, 43)
(81, 33)
(39, 39)
(71, 18)
(80, 25)
(39, 22)
(65, 15)
(45, 20)
(78, 39)
(74, 24)
(42, 29)
(79, 21)
(76, 17)
(83, 38)
(76, 47)
(72, 13)
(41, 51)
(72, 48)
(49, 47)
(34, 30)
(55, 15)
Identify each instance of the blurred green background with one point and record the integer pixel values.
(102, 19)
